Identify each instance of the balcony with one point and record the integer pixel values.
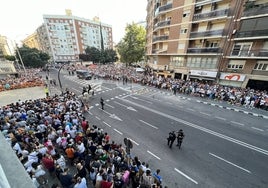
(262, 53)
(159, 51)
(255, 11)
(213, 14)
(165, 7)
(162, 24)
(206, 33)
(253, 33)
(160, 38)
(204, 50)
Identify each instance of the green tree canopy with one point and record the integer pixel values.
(32, 57)
(99, 56)
(132, 47)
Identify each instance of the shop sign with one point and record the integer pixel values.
(233, 77)
(203, 73)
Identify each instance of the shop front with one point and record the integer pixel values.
(202, 75)
(232, 79)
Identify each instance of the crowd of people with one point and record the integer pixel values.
(30, 79)
(245, 97)
(54, 141)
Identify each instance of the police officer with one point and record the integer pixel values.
(171, 138)
(180, 137)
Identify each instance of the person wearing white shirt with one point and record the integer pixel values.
(80, 183)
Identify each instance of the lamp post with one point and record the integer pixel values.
(21, 59)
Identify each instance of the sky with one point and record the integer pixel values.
(19, 18)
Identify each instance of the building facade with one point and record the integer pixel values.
(4, 47)
(198, 39)
(32, 41)
(64, 37)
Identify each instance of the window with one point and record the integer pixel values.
(261, 66)
(177, 61)
(186, 13)
(234, 64)
(183, 31)
(241, 49)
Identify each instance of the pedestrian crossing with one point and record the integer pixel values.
(96, 86)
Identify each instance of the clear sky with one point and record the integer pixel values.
(18, 18)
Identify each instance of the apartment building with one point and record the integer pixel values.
(197, 39)
(4, 48)
(64, 37)
(245, 62)
(32, 41)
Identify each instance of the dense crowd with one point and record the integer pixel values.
(30, 79)
(249, 98)
(54, 140)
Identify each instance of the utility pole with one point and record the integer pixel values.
(20, 58)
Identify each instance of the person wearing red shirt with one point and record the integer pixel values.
(105, 183)
(48, 163)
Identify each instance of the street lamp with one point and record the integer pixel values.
(20, 59)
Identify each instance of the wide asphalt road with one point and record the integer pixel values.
(222, 148)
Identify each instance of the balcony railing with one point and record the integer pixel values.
(165, 7)
(162, 24)
(162, 37)
(204, 50)
(250, 53)
(213, 14)
(255, 11)
(253, 33)
(206, 33)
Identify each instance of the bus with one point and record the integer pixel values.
(84, 74)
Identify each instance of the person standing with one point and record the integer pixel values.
(46, 91)
(102, 103)
(171, 138)
(180, 137)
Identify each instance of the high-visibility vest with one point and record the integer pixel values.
(46, 90)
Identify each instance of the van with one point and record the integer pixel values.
(84, 74)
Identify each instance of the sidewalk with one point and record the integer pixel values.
(12, 96)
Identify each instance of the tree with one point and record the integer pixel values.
(132, 47)
(99, 56)
(32, 57)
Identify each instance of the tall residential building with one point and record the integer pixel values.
(196, 39)
(64, 37)
(246, 55)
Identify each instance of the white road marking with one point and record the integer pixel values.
(190, 109)
(118, 131)
(237, 123)
(221, 118)
(76, 90)
(192, 180)
(112, 98)
(241, 143)
(97, 117)
(230, 163)
(133, 141)
(142, 100)
(257, 128)
(154, 155)
(107, 124)
(89, 112)
(148, 124)
(109, 105)
(107, 100)
(205, 114)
